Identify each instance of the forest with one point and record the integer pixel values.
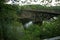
(14, 28)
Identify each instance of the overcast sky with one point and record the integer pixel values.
(34, 2)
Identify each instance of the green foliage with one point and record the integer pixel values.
(47, 30)
(2, 1)
(11, 29)
(50, 29)
(14, 31)
(39, 7)
(32, 32)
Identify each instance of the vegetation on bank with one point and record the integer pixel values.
(48, 29)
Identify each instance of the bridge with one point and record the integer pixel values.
(37, 16)
(43, 11)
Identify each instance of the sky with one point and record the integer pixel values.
(34, 2)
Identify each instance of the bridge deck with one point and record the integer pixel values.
(43, 11)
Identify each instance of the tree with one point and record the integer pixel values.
(8, 22)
